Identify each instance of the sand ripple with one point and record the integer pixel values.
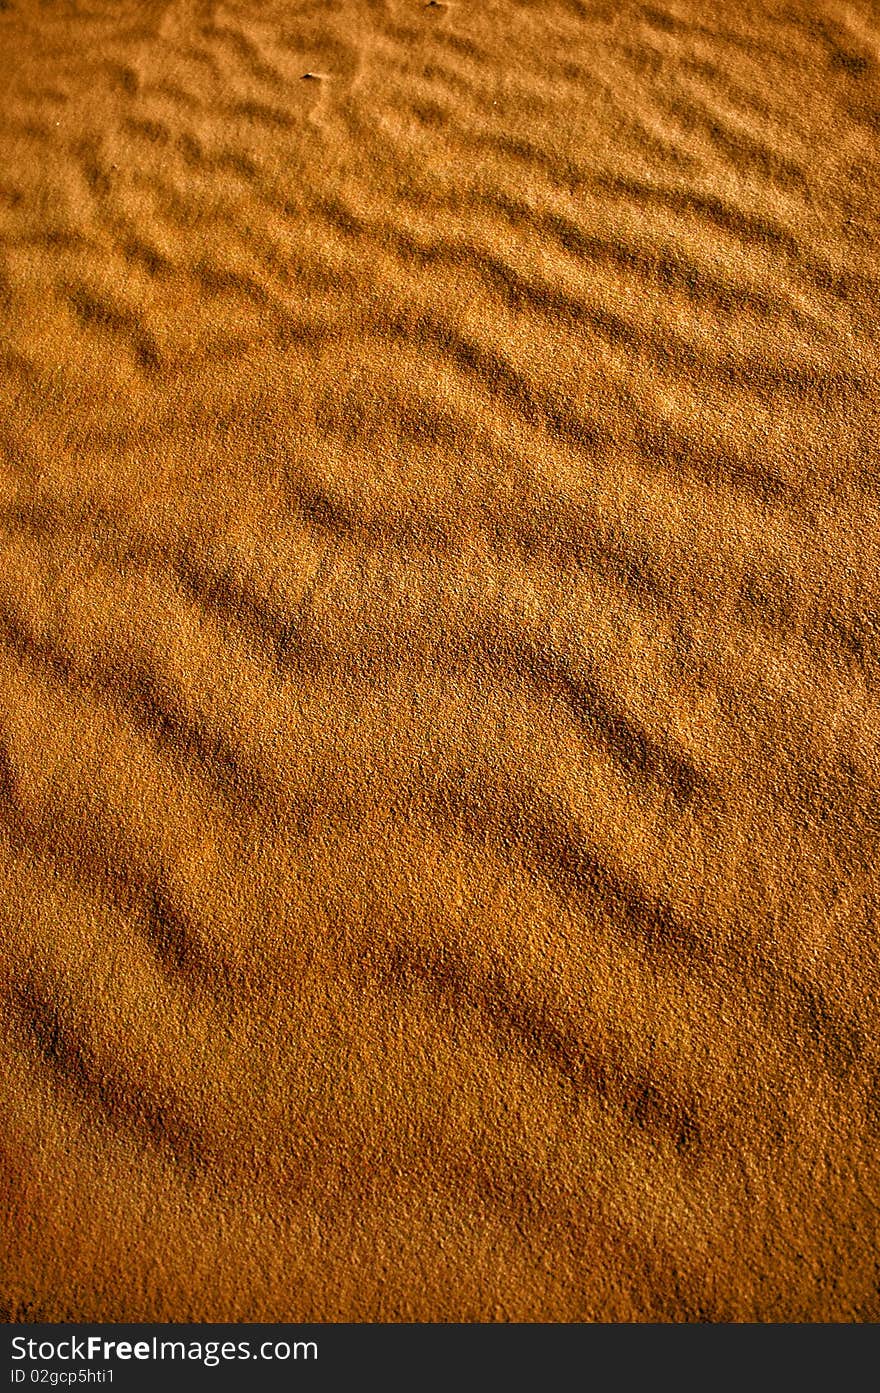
(439, 654)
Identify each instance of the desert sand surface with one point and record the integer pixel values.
(439, 651)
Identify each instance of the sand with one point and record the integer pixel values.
(439, 653)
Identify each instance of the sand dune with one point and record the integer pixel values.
(439, 653)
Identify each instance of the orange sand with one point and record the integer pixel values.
(439, 655)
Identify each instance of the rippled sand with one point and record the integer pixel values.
(439, 649)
